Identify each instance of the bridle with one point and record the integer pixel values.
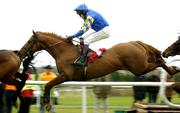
(26, 50)
(45, 46)
(52, 45)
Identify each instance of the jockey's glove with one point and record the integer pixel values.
(70, 37)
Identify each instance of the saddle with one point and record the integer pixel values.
(87, 55)
(91, 55)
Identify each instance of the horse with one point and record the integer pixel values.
(9, 65)
(135, 56)
(10, 61)
(172, 50)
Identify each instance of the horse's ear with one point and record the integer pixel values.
(178, 37)
(34, 33)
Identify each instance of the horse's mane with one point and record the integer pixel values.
(51, 34)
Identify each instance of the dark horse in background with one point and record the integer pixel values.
(173, 50)
(9, 65)
(10, 62)
(135, 56)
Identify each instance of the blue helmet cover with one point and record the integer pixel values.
(82, 7)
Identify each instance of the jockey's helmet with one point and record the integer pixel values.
(81, 9)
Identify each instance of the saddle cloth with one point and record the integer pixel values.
(93, 55)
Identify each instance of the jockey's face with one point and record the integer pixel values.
(82, 16)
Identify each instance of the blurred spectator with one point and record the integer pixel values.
(153, 90)
(10, 97)
(48, 75)
(36, 88)
(101, 93)
(26, 95)
(139, 91)
(1, 98)
(56, 96)
(169, 89)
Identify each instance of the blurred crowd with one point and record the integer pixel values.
(30, 94)
(151, 92)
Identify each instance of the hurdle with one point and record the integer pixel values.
(155, 108)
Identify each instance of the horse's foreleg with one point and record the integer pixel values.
(58, 80)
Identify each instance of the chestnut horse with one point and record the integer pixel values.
(135, 56)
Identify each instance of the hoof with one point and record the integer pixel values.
(176, 69)
(47, 107)
(173, 70)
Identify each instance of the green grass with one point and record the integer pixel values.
(76, 101)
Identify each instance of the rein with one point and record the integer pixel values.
(55, 44)
(60, 43)
(25, 51)
(76, 41)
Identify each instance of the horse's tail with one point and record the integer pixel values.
(151, 51)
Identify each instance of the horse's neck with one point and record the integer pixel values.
(62, 50)
(53, 51)
(22, 54)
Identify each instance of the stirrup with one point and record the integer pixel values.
(79, 63)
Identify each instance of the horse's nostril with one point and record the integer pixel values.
(163, 54)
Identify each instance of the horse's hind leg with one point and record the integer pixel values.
(170, 69)
(160, 63)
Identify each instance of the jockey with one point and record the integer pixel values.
(96, 22)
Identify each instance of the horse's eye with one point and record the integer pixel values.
(29, 41)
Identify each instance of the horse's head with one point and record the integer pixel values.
(30, 47)
(172, 50)
(44, 41)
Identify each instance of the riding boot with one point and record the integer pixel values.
(82, 61)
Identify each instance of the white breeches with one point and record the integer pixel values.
(96, 36)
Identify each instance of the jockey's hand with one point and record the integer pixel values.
(81, 40)
(70, 37)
